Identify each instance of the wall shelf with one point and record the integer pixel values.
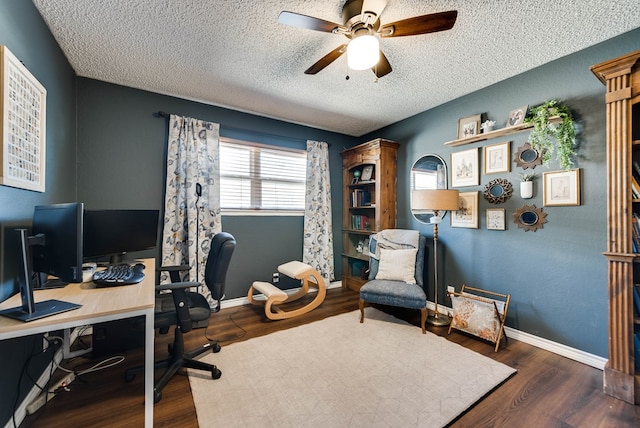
(496, 134)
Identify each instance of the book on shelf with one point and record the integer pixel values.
(636, 170)
(636, 299)
(635, 229)
(636, 350)
(635, 188)
(359, 222)
(360, 198)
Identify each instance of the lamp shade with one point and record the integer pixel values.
(434, 199)
(363, 52)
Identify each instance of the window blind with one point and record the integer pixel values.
(259, 177)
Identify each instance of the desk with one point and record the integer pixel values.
(98, 305)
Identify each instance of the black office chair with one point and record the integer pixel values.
(184, 308)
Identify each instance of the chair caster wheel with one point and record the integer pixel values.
(129, 377)
(216, 347)
(216, 373)
(157, 395)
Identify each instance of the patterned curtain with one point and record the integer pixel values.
(318, 236)
(192, 196)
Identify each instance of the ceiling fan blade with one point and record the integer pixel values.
(308, 22)
(327, 59)
(423, 24)
(374, 6)
(382, 68)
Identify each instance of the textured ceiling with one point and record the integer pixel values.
(235, 54)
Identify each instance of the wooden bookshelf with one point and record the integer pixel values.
(622, 79)
(368, 206)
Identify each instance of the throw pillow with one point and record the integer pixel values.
(397, 265)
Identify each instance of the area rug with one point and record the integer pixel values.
(339, 373)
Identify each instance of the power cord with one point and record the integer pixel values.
(48, 392)
(63, 384)
(25, 370)
(230, 317)
(104, 364)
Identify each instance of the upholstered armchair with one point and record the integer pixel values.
(396, 277)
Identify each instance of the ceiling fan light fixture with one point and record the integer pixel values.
(363, 52)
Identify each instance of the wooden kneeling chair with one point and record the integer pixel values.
(275, 296)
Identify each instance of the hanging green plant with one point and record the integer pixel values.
(544, 132)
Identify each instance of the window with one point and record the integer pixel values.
(259, 177)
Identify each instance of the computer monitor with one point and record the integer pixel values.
(114, 233)
(60, 227)
(53, 248)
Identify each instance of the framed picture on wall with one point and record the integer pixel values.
(495, 219)
(469, 126)
(497, 158)
(561, 188)
(467, 213)
(464, 168)
(22, 126)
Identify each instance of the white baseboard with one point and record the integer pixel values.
(539, 342)
(542, 343)
(557, 348)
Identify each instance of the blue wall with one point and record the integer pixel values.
(557, 276)
(27, 37)
(121, 163)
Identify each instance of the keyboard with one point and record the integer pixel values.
(120, 274)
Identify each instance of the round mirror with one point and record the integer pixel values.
(529, 218)
(428, 172)
(498, 191)
(527, 157)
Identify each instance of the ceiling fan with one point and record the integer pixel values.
(361, 24)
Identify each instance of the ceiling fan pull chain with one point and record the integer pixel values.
(347, 76)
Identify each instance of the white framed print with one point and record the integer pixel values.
(497, 158)
(561, 188)
(23, 106)
(495, 219)
(464, 168)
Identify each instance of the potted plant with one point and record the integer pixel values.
(526, 185)
(544, 132)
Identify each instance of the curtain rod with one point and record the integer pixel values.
(167, 115)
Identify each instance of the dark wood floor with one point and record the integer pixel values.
(547, 391)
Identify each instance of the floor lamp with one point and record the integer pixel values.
(436, 200)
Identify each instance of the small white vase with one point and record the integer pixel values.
(526, 189)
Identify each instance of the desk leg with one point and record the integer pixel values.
(148, 368)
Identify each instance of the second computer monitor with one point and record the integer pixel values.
(113, 233)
